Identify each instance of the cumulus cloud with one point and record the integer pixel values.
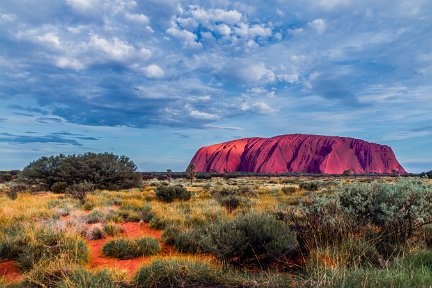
(318, 25)
(154, 71)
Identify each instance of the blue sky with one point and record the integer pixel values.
(157, 79)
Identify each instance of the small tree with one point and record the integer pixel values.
(169, 171)
(79, 191)
(191, 172)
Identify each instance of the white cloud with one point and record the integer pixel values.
(202, 115)
(63, 62)
(140, 18)
(154, 71)
(4, 17)
(84, 5)
(332, 4)
(290, 78)
(187, 37)
(211, 126)
(258, 107)
(115, 48)
(318, 25)
(253, 72)
(49, 38)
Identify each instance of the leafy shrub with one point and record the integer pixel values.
(309, 186)
(183, 239)
(123, 248)
(175, 273)
(397, 209)
(79, 191)
(170, 193)
(255, 239)
(106, 171)
(289, 189)
(59, 187)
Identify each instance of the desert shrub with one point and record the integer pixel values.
(120, 248)
(230, 202)
(96, 216)
(59, 187)
(79, 191)
(320, 222)
(112, 229)
(246, 191)
(183, 239)
(61, 274)
(123, 248)
(179, 273)
(106, 171)
(256, 239)
(49, 244)
(148, 246)
(398, 209)
(309, 186)
(289, 189)
(146, 213)
(95, 232)
(82, 278)
(170, 193)
(13, 189)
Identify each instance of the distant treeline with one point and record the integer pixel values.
(209, 175)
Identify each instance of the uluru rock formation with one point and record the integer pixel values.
(297, 153)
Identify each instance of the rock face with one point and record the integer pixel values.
(297, 153)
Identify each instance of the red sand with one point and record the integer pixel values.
(132, 230)
(10, 271)
(297, 153)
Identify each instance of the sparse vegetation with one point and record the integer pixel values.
(349, 231)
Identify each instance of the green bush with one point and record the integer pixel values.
(180, 274)
(255, 239)
(167, 193)
(398, 209)
(123, 248)
(79, 191)
(104, 170)
(59, 187)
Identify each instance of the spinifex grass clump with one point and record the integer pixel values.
(47, 244)
(123, 248)
(180, 273)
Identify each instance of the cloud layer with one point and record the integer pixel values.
(347, 67)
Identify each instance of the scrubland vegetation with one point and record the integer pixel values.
(218, 232)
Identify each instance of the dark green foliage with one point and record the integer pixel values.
(190, 171)
(180, 274)
(167, 193)
(5, 177)
(105, 171)
(255, 239)
(80, 190)
(231, 202)
(59, 187)
(309, 186)
(122, 248)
